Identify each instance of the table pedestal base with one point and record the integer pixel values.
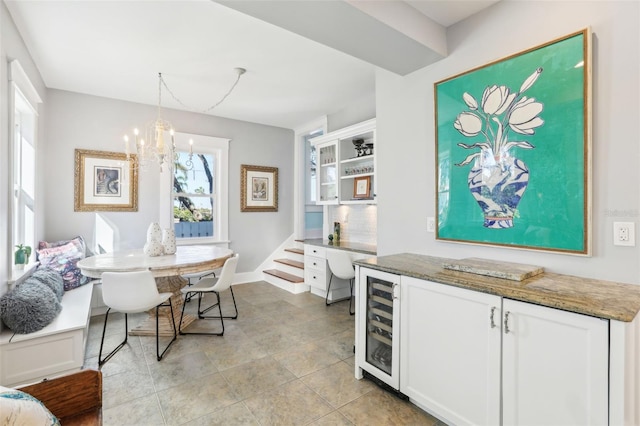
(171, 284)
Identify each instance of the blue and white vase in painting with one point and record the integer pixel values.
(498, 184)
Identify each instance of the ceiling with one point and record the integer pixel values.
(115, 49)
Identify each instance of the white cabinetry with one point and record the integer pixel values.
(315, 269)
(317, 273)
(346, 160)
(474, 358)
(450, 351)
(555, 366)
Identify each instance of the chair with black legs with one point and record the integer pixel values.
(213, 286)
(341, 266)
(133, 292)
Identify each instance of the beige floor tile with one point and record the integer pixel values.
(236, 414)
(126, 386)
(249, 375)
(306, 359)
(128, 358)
(290, 404)
(280, 339)
(257, 376)
(196, 398)
(379, 407)
(337, 384)
(140, 411)
(341, 344)
(332, 419)
(175, 371)
(231, 353)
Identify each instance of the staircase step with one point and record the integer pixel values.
(284, 276)
(292, 263)
(295, 250)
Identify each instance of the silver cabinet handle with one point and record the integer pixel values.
(493, 323)
(393, 290)
(506, 322)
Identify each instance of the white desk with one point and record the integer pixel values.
(166, 269)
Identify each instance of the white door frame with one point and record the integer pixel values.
(299, 171)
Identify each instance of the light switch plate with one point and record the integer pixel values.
(431, 224)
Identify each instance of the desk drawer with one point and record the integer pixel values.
(316, 279)
(311, 250)
(316, 263)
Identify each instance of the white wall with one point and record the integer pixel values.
(12, 47)
(405, 131)
(90, 122)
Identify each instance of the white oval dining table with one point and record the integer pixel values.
(167, 270)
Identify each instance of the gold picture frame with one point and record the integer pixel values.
(362, 187)
(105, 181)
(258, 188)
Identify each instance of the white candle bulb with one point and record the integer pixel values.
(126, 145)
(190, 146)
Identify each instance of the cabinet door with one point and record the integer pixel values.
(328, 188)
(377, 325)
(555, 366)
(450, 351)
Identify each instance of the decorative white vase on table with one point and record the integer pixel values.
(154, 246)
(169, 240)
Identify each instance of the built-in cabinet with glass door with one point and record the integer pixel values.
(347, 165)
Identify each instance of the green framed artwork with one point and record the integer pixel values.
(513, 150)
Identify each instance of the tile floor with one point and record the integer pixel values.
(287, 360)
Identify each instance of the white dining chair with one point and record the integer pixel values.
(341, 266)
(195, 277)
(133, 292)
(214, 286)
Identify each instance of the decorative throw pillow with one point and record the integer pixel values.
(29, 307)
(20, 408)
(63, 256)
(51, 279)
(78, 241)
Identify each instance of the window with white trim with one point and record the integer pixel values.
(24, 121)
(199, 189)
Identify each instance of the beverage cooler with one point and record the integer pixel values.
(377, 325)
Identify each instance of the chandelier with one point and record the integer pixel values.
(151, 147)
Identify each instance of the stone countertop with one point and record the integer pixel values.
(603, 299)
(344, 245)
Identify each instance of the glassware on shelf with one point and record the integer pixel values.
(358, 169)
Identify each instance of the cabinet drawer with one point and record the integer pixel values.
(316, 263)
(310, 250)
(316, 279)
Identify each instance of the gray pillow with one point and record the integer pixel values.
(51, 279)
(29, 307)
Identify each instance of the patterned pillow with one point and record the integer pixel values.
(62, 257)
(20, 408)
(77, 241)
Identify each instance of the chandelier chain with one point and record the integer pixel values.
(164, 83)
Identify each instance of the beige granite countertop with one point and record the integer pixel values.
(344, 245)
(603, 299)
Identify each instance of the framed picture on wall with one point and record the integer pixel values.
(513, 150)
(258, 188)
(362, 187)
(105, 181)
